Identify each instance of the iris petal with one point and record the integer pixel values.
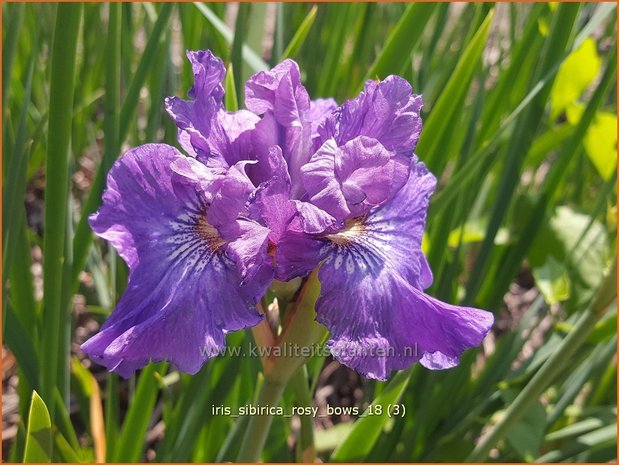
(206, 131)
(378, 322)
(387, 111)
(290, 119)
(194, 117)
(351, 179)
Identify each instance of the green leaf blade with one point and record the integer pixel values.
(359, 442)
(62, 89)
(39, 434)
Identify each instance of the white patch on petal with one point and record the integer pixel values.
(350, 265)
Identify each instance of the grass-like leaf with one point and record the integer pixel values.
(57, 171)
(251, 58)
(39, 434)
(359, 441)
(300, 35)
(402, 40)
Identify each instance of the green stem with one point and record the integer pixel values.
(15, 14)
(240, 33)
(301, 331)
(111, 413)
(259, 425)
(57, 184)
(551, 369)
(306, 451)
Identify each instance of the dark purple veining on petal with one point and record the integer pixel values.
(187, 281)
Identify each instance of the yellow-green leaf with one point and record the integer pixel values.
(542, 25)
(231, 99)
(600, 141)
(576, 74)
(473, 231)
(425, 243)
(39, 435)
(601, 144)
(552, 280)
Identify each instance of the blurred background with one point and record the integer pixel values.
(520, 127)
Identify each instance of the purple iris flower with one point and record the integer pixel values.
(198, 261)
(277, 190)
(361, 202)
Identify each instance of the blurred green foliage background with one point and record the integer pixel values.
(520, 127)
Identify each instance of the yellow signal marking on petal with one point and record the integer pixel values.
(209, 233)
(352, 229)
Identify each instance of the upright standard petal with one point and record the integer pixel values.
(387, 111)
(194, 117)
(206, 131)
(323, 188)
(319, 110)
(279, 91)
(185, 289)
(288, 116)
(271, 203)
(230, 139)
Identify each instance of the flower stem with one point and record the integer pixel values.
(306, 450)
(300, 331)
(259, 425)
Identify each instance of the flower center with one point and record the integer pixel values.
(353, 228)
(209, 234)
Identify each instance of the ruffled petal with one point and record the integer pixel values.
(185, 291)
(271, 204)
(230, 200)
(297, 253)
(398, 225)
(279, 95)
(279, 91)
(314, 220)
(141, 186)
(350, 180)
(230, 138)
(318, 112)
(321, 184)
(206, 131)
(194, 172)
(248, 248)
(389, 324)
(387, 111)
(194, 117)
(174, 311)
(369, 174)
(208, 73)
